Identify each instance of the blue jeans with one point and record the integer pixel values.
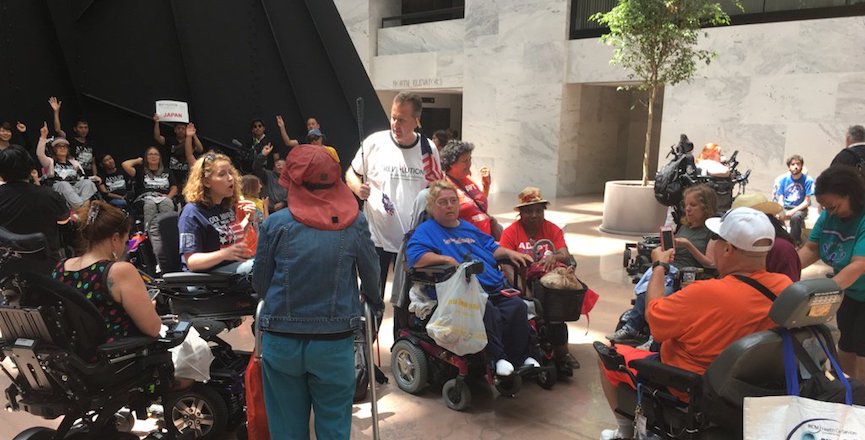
(301, 374)
(635, 319)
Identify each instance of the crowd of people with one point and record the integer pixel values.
(284, 215)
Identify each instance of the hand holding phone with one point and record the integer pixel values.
(667, 239)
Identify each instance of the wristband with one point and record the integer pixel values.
(666, 266)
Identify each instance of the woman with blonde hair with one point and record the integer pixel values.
(213, 223)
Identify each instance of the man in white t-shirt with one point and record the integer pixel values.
(388, 172)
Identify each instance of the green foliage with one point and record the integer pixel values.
(655, 40)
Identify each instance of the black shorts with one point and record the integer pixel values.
(851, 324)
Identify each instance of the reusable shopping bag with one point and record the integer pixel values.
(458, 323)
(796, 417)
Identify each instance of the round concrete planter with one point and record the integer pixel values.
(631, 209)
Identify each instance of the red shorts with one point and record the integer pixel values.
(630, 354)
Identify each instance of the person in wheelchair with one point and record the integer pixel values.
(697, 323)
(693, 249)
(445, 239)
(114, 287)
(215, 225)
(521, 236)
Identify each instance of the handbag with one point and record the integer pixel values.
(800, 417)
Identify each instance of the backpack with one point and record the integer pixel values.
(860, 159)
(670, 182)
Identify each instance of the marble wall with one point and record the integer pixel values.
(541, 108)
(775, 90)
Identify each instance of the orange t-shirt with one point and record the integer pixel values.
(695, 324)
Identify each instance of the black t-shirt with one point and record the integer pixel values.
(146, 181)
(27, 209)
(65, 171)
(850, 155)
(83, 153)
(116, 182)
(177, 165)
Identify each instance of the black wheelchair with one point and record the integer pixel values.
(49, 332)
(752, 366)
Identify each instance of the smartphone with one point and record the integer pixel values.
(667, 238)
(510, 292)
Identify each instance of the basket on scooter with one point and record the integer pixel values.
(559, 305)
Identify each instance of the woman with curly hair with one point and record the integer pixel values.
(213, 223)
(456, 159)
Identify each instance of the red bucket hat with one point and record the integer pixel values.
(317, 196)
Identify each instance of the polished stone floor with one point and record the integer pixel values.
(574, 409)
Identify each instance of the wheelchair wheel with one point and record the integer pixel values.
(547, 377)
(199, 411)
(626, 258)
(457, 394)
(510, 385)
(35, 433)
(124, 420)
(409, 367)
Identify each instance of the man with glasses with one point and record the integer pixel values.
(698, 322)
(256, 145)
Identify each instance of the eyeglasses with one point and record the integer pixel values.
(715, 236)
(449, 201)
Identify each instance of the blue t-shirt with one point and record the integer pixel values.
(838, 242)
(793, 191)
(204, 229)
(457, 243)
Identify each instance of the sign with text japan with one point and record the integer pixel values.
(172, 111)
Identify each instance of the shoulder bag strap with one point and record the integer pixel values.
(760, 288)
(463, 189)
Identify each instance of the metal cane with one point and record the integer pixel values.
(370, 365)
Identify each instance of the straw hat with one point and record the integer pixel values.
(757, 201)
(529, 196)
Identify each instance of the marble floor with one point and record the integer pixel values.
(574, 409)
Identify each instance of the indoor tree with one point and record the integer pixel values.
(656, 41)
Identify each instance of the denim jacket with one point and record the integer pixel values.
(307, 277)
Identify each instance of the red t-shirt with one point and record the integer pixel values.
(469, 200)
(514, 237)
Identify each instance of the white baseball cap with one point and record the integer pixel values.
(743, 228)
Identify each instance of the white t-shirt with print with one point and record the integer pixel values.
(395, 176)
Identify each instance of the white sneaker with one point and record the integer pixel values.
(504, 368)
(612, 434)
(531, 362)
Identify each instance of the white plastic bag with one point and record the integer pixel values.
(458, 323)
(192, 358)
(793, 417)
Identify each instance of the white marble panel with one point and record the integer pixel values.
(529, 102)
(481, 20)
(588, 61)
(790, 98)
(706, 99)
(355, 15)
(533, 21)
(832, 45)
(425, 37)
(816, 143)
(850, 102)
(416, 71)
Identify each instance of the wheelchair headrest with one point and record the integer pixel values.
(169, 251)
(806, 303)
(21, 243)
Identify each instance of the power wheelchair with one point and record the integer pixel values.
(416, 360)
(750, 367)
(50, 333)
(214, 301)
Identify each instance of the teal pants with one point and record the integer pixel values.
(299, 375)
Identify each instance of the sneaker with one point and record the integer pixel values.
(612, 434)
(531, 362)
(647, 346)
(627, 334)
(568, 360)
(504, 368)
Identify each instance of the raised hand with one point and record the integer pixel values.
(190, 130)
(265, 150)
(43, 132)
(21, 127)
(279, 122)
(155, 117)
(54, 103)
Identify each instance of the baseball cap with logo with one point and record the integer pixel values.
(744, 228)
